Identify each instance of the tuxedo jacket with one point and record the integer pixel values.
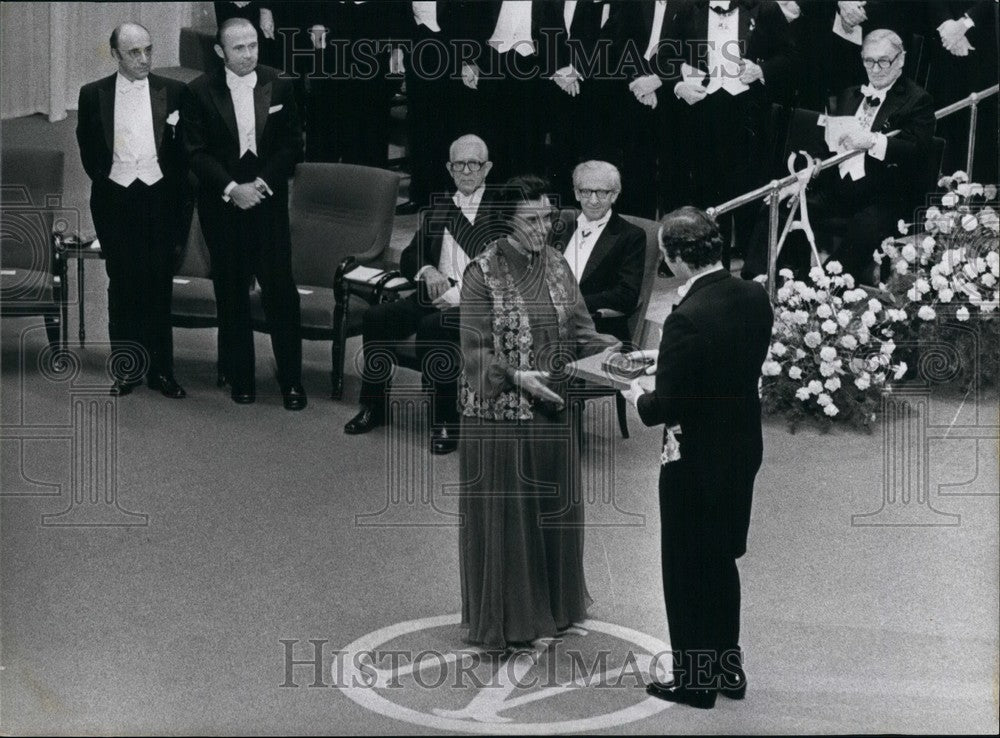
(425, 247)
(95, 128)
(955, 76)
(211, 135)
(908, 109)
(763, 35)
(95, 131)
(714, 342)
(631, 26)
(612, 277)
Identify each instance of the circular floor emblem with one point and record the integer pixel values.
(590, 678)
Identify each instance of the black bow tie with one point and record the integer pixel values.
(723, 11)
(873, 102)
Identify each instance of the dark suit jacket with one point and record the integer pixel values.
(909, 109)
(95, 128)
(713, 345)
(425, 246)
(613, 275)
(763, 34)
(211, 134)
(631, 25)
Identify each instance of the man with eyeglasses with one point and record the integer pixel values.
(829, 36)
(604, 251)
(450, 234)
(854, 206)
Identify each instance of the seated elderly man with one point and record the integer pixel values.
(452, 233)
(854, 206)
(605, 252)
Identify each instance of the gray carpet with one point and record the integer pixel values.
(262, 526)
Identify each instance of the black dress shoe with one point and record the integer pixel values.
(734, 685)
(703, 699)
(408, 208)
(123, 387)
(167, 386)
(364, 421)
(294, 396)
(443, 441)
(242, 397)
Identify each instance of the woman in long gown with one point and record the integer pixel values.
(521, 535)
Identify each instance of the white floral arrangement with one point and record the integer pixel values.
(946, 274)
(832, 349)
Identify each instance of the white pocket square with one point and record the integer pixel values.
(173, 118)
(274, 109)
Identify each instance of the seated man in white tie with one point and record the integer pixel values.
(854, 206)
(452, 233)
(605, 252)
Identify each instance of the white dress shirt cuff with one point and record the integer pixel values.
(877, 151)
(966, 21)
(225, 192)
(422, 271)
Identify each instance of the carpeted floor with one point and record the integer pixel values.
(255, 531)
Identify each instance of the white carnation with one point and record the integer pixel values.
(802, 394)
(828, 353)
(831, 410)
(815, 387)
(962, 313)
(832, 384)
(863, 382)
(823, 400)
(828, 326)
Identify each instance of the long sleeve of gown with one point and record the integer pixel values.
(486, 372)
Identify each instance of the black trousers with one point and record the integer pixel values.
(248, 244)
(438, 352)
(347, 117)
(513, 123)
(434, 116)
(136, 227)
(701, 584)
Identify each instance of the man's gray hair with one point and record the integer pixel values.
(469, 138)
(597, 167)
(884, 34)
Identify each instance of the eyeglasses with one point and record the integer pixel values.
(460, 166)
(882, 63)
(585, 194)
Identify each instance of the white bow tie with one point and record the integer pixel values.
(127, 88)
(869, 91)
(249, 81)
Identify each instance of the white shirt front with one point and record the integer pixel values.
(724, 36)
(659, 11)
(569, 9)
(865, 116)
(425, 14)
(513, 29)
(134, 154)
(581, 243)
(241, 90)
(453, 259)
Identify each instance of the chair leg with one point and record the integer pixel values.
(622, 416)
(220, 373)
(54, 331)
(337, 351)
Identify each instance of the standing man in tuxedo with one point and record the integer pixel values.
(577, 97)
(749, 57)
(129, 141)
(243, 139)
(450, 235)
(647, 116)
(705, 395)
(604, 251)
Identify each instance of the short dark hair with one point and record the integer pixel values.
(691, 235)
(518, 190)
(229, 23)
